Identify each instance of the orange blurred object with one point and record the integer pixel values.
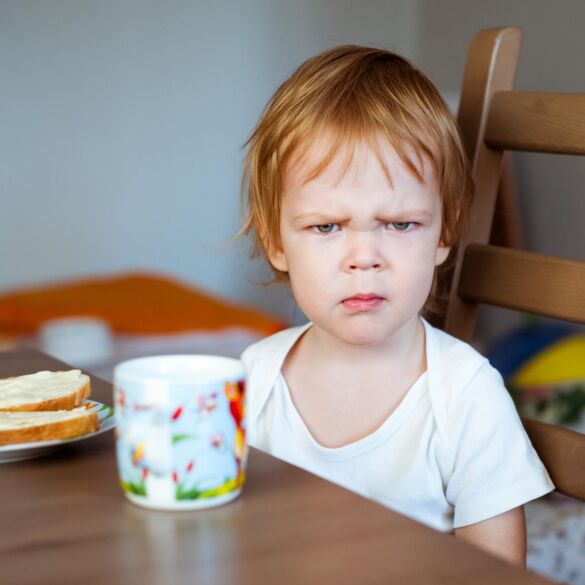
(135, 303)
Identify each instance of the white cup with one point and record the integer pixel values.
(80, 341)
(181, 430)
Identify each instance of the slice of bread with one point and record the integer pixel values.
(26, 427)
(44, 391)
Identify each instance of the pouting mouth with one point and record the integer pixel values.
(363, 297)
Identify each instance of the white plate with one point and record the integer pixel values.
(21, 451)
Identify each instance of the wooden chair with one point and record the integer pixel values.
(494, 118)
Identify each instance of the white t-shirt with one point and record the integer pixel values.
(453, 453)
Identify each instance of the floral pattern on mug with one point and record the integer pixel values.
(191, 448)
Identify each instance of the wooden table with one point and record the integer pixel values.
(64, 520)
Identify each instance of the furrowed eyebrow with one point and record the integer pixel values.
(411, 213)
(316, 216)
(325, 218)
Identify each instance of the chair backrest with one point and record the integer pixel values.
(494, 118)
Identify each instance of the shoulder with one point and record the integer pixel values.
(461, 368)
(468, 388)
(262, 361)
(272, 346)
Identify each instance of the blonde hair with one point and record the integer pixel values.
(352, 94)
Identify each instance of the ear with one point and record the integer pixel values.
(442, 254)
(277, 258)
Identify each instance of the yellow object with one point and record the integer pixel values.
(564, 361)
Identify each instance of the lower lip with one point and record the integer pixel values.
(358, 305)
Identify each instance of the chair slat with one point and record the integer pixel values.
(561, 451)
(524, 281)
(542, 122)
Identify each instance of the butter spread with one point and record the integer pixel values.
(17, 420)
(39, 387)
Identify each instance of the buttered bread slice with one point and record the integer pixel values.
(44, 391)
(26, 427)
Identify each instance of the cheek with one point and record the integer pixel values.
(311, 289)
(303, 251)
(311, 271)
(416, 262)
(308, 265)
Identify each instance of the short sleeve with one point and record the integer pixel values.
(490, 465)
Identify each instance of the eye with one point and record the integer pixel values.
(325, 228)
(402, 226)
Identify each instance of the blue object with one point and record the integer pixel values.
(518, 346)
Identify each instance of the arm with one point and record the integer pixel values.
(503, 536)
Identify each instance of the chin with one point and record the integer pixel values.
(362, 333)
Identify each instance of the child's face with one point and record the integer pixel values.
(348, 234)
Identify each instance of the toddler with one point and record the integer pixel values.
(358, 188)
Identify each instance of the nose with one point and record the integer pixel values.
(363, 253)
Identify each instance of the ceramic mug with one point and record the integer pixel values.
(181, 431)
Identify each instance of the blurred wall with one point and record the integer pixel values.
(550, 187)
(123, 121)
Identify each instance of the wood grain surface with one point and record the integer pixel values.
(541, 122)
(524, 281)
(66, 521)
